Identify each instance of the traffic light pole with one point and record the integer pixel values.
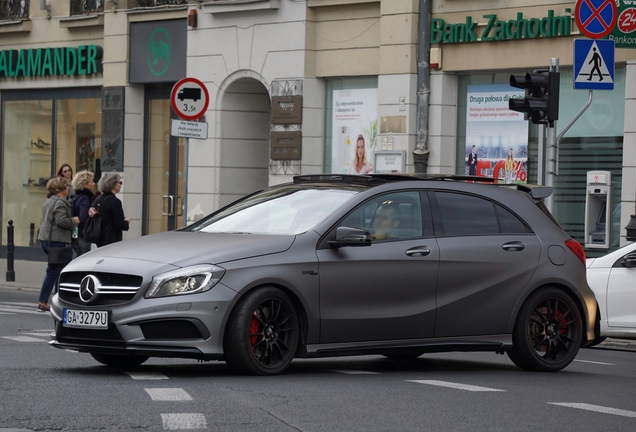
(552, 149)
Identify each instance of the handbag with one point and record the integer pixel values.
(58, 255)
(93, 227)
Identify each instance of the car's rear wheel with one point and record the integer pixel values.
(263, 333)
(548, 332)
(119, 361)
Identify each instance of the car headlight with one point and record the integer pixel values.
(188, 280)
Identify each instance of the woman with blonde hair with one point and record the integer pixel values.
(83, 183)
(56, 225)
(360, 164)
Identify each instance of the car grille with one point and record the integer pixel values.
(173, 329)
(95, 337)
(114, 289)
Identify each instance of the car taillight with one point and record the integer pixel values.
(576, 248)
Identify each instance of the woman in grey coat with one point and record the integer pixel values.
(56, 228)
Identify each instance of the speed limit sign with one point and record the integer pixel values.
(189, 98)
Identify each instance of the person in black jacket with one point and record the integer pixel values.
(114, 223)
(83, 183)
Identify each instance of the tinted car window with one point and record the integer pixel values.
(390, 216)
(466, 214)
(510, 224)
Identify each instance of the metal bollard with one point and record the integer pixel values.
(10, 252)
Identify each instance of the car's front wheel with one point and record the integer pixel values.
(119, 361)
(263, 333)
(548, 332)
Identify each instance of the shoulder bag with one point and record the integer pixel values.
(93, 228)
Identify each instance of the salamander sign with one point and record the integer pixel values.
(37, 62)
(496, 29)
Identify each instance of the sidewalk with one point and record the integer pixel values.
(29, 276)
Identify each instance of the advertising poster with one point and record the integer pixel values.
(496, 137)
(355, 130)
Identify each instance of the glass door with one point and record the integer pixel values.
(165, 166)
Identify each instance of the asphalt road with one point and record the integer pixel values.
(42, 388)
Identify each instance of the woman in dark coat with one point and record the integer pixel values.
(114, 223)
(83, 183)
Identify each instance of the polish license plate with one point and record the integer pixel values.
(85, 319)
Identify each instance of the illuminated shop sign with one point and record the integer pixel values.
(495, 29)
(37, 62)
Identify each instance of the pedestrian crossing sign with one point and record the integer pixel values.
(593, 64)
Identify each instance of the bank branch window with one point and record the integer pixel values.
(38, 136)
(594, 142)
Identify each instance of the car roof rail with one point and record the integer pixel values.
(370, 179)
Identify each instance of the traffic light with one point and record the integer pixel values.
(541, 102)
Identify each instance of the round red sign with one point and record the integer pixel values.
(627, 20)
(189, 98)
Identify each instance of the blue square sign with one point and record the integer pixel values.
(593, 64)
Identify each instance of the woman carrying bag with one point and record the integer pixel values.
(56, 228)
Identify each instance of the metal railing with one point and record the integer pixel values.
(83, 7)
(14, 9)
(152, 3)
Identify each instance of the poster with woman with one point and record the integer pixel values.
(496, 137)
(355, 130)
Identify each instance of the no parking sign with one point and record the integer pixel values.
(596, 18)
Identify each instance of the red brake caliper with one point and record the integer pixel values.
(564, 327)
(254, 329)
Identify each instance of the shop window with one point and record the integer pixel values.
(38, 136)
(594, 142)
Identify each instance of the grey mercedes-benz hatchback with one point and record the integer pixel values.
(332, 265)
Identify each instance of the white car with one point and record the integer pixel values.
(613, 279)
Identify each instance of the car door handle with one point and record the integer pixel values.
(419, 251)
(514, 246)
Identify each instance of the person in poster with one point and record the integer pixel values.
(472, 162)
(360, 163)
(509, 167)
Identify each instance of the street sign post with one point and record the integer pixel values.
(593, 64)
(595, 18)
(189, 98)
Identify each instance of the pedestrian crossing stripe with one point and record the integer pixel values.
(594, 67)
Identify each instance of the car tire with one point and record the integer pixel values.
(548, 332)
(262, 334)
(119, 361)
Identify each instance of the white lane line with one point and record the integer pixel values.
(146, 376)
(355, 372)
(595, 362)
(597, 408)
(22, 310)
(168, 394)
(24, 339)
(456, 386)
(184, 421)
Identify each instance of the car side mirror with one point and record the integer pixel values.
(629, 260)
(349, 236)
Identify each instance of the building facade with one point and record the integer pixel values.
(295, 87)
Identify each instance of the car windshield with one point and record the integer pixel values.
(285, 210)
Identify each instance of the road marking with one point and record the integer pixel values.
(597, 408)
(595, 362)
(14, 310)
(355, 372)
(23, 338)
(168, 394)
(184, 421)
(146, 376)
(456, 386)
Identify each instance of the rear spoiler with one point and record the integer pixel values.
(535, 191)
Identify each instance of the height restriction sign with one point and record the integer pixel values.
(595, 18)
(189, 98)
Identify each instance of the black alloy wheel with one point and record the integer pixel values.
(548, 332)
(263, 333)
